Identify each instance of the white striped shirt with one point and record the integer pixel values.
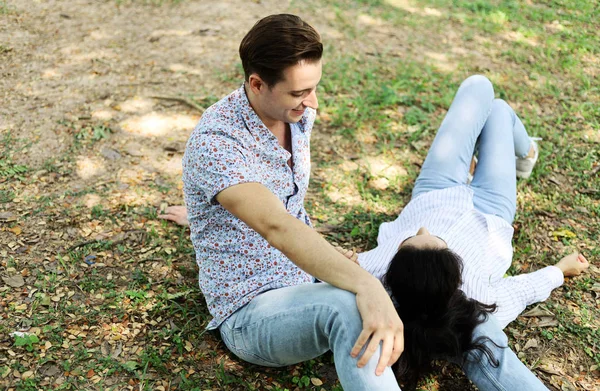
(483, 241)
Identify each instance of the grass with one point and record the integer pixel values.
(111, 293)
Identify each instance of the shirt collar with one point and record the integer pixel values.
(251, 119)
(248, 113)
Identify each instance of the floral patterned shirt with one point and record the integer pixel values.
(231, 145)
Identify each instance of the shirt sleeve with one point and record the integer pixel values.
(513, 294)
(307, 122)
(214, 162)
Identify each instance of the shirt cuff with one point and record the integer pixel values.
(545, 281)
(555, 276)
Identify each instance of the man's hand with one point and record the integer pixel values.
(573, 264)
(350, 254)
(381, 323)
(262, 211)
(176, 214)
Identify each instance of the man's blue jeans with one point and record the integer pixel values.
(289, 325)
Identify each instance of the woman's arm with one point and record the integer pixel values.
(350, 254)
(573, 264)
(513, 294)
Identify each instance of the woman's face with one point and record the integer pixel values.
(423, 239)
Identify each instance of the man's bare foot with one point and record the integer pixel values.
(176, 214)
(573, 264)
(473, 166)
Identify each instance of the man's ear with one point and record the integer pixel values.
(257, 85)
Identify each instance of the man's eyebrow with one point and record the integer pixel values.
(306, 89)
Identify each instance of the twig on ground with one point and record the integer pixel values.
(180, 99)
(116, 239)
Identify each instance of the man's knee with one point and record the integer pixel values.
(339, 300)
(340, 306)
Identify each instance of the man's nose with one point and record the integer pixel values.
(311, 100)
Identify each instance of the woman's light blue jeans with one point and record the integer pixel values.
(289, 325)
(476, 119)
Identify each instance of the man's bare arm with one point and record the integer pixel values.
(256, 206)
(178, 215)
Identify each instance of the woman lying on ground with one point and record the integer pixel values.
(444, 258)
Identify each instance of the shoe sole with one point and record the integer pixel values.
(523, 174)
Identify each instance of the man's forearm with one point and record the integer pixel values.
(313, 254)
(262, 211)
(258, 207)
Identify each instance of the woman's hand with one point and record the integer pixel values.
(350, 254)
(573, 264)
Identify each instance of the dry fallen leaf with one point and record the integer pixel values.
(547, 322)
(15, 281)
(316, 381)
(532, 343)
(6, 217)
(537, 311)
(118, 349)
(16, 230)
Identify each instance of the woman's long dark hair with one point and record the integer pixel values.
(438, 317)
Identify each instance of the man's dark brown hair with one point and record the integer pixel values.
(277, 42)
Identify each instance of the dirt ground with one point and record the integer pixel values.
(102, 61)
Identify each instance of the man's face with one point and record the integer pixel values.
(286, 100)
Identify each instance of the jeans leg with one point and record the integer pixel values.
(522, 141)
(289, 325)
(511, 374)
(449, 157)
(494, 182)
